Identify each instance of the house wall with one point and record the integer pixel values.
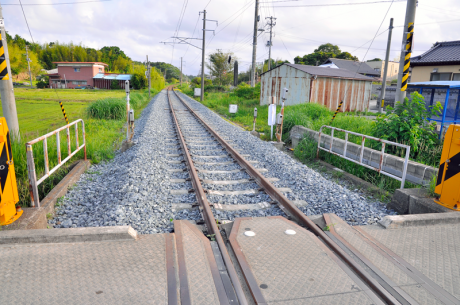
(103, 83)
(392, 68)
(326, 91)
(423, 73)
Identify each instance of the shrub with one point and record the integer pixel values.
(107, 109)
(114, 85)
(139, 80)
(41, 85)
(245, 91)
(407, 123)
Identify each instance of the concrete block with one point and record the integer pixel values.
(125, 145)
(70, 235)
(400, 200)
(415, 201)
(400, 221)
(255, 133)
(422, 205)
(278, 145)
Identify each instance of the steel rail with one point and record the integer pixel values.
(206, 211)
(276, 195)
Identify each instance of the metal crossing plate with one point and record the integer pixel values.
(118, 272)
(434, 250)
(292, 269)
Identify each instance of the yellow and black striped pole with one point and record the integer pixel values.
(409, 37)
(63, 112)
(3, 68)
(337, 111)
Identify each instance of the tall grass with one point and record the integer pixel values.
(108, 109)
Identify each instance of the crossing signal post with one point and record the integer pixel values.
(448, 181)
(410, 35)
(9, 190)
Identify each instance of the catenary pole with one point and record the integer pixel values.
(202, 56)
(385, 69)
(28, 65)
(410, 18)
(254, 45)
(6, 87)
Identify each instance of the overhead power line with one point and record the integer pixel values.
(20, 3)
(57, 3)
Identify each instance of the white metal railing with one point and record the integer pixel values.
(33, 183)
(360, 162)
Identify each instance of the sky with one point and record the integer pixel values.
(139, 26)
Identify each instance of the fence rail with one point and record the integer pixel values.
(33, 182)
(360, 162)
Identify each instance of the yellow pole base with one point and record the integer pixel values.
(14, 218)
(455, 207)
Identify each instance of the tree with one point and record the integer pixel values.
(221, 68)
(375, 59)
(274, 63)
(323, 53)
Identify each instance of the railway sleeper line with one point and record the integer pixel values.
(234, 264)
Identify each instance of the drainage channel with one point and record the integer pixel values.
(221, 153)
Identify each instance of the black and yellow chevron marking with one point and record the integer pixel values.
(3, 68)
(63, 112)
(452, 170)
(337, 111)
(410, 36)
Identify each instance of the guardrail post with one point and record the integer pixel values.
(84, 137)
(68, 141)
(381, 156)
(33, 189)
(332, 139)
(362, 150)
(45, 156)
(58, 146)
(346, 145)
(76, 136)
(406, 161)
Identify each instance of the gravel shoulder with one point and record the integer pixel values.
(134, 188)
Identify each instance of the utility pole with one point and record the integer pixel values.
(28, 64)
(148, 73)
(181, 71)
(385, 70)
(254, 45)
(404, 61)
(202, 56)
(6, 85)
(271, 24)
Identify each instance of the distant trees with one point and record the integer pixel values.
(274, 63)
(322, 53)
(167, 69)
(375, 59)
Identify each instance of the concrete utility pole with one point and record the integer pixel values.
(181, 71)
(148, 74)
(385, 69)
(202, 56)
(254, 45)
(28, 64)
(405, 56)
(271, 24)
(6, 86)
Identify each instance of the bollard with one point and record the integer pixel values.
(8, 211)
(127, 109)
(255, 117)
(449, 170)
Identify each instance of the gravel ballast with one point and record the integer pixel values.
(135, 188)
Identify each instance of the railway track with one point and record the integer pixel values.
(203, 149)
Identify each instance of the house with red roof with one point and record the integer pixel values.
(75, 74)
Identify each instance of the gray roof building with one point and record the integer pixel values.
(442, 53)
(351, 65)
(324, 71)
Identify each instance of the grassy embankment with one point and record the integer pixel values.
(312, 116)
(104, 114)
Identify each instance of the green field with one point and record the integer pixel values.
(38, 115)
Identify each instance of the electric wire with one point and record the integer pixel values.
(25, 18)
(332, 4)
(60, 3)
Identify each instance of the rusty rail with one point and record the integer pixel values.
(33, 183)
(360, 162)
(276, 195)
(206, 209)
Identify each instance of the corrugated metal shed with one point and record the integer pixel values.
(321, 85)
(112, 76)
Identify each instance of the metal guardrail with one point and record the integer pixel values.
(360, 162)
(33, 183)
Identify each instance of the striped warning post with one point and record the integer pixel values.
(3, 68)
(63, 112)
(410, 36)
(337, 111)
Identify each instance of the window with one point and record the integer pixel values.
(377, 69)
(79, 82)
(440, 76)
(456, 76)
(76, 69)
(100, 70)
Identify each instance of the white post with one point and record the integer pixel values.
(127, 109)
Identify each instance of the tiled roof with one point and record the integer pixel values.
(442, 52)
(330, 72)
(80, 62)
(353, 66)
